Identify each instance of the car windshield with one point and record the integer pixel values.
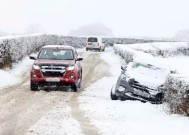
(144, 65)
(57, 54)
(92, 39)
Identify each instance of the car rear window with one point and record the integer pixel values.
(92, 39)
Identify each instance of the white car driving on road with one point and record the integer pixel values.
(95, 43)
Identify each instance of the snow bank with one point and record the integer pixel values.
(14, 76)
(175, 84)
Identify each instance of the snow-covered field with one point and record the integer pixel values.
(128, 117)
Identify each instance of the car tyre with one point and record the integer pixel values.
(33, 86)
(74, 87)
(80, 78)
(113, 97)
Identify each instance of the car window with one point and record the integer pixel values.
(136, 65)
(58, 54)
(92, 39)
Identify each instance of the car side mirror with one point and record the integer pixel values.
(79, 58)
(32, 57)
(123, 67)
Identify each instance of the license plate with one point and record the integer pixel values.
(53, 79)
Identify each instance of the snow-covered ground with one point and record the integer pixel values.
(58, 121)
(12, 76)
(109, 117)
(128, 117)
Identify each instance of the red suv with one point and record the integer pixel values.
(56, 65)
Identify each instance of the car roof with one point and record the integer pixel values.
(58, 46)
(98, 38)
(94, 37)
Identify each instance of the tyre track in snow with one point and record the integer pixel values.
(20, 108)
(94, 69)
(25, 108)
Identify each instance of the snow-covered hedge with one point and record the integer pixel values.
(177, 94)
(126, 54)
(164, 49)
(112, 41)
(13, 49)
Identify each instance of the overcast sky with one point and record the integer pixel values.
(152, 18)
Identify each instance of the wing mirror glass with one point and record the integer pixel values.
(32, 57)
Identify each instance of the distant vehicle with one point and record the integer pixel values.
(95, 43)
(56, 65)
(128, 88)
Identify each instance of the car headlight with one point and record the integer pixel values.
(121, 88)
(70, 68)
(36, 67)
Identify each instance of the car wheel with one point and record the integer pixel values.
(113, 97)
(104, 49)
(74, 87)
(80, 79)
(33, 86)
(86, 49)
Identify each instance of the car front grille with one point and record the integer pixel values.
(53, 70)
(52, 74)
(136, 85)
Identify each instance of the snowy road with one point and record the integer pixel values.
(87, 112)
(21, 108)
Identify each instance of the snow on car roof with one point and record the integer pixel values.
(58, 46)
(147, 74)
